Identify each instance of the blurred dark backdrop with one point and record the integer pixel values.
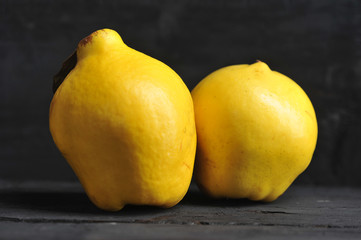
(316, 43)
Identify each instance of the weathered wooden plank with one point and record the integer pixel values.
(109, 231)
(59, 209)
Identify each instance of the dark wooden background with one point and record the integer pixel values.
(316, 43)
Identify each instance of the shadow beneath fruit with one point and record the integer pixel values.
(196, 197)
(63, 205)
(70, 202)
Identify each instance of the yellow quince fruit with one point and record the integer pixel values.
(256, 130)
(125, 123)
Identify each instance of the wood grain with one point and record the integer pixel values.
(61, 210)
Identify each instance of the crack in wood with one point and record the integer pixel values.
(274, 212)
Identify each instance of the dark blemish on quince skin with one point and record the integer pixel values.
(68, 65)
(71, 61)
(86, 40)
(89, 38)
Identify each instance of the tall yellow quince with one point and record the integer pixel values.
(125, 123)
(256, 131)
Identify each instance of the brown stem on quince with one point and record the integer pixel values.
(68, 65)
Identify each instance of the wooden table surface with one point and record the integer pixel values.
(61, 210)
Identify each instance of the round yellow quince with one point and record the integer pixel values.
(125, 123)
(256, 130)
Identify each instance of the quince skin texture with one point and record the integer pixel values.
(256, 130)
(125, 123)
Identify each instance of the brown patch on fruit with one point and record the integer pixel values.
(89, 38)
(185, 164)
(86, 40)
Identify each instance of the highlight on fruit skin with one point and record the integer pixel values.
(256, 132)
(124, 122)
